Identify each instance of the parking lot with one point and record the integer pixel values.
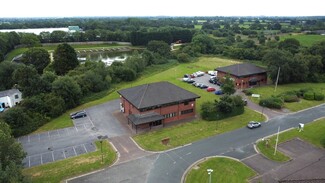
(68, 142)
(205, 80)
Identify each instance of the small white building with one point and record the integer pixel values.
(10, 98)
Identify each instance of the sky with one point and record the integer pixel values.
(74, 8)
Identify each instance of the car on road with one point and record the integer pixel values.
(253, 124)
(78, 114)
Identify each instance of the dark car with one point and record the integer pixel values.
(79, 114)
(253, 124)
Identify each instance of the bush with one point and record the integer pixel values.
(183, 57)
(309, 95)
(301, 92)
(319, 96)
(290, 98)
(248, 92)
(272, 102)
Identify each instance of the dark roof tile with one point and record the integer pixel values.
(241, 70)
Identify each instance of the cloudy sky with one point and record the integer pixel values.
(72, 8)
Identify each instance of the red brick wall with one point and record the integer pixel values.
(130, 109)
(242, 83)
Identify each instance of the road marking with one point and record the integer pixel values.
(85, 148)
(64, 154)
(28, 138)
(52, 155)
(28, 161)
(41, 159)
(48, 134)
(174, 162)
(76, 128)
(189, 153)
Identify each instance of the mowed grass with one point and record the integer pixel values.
(268, 91)
(312, 133)
(224, 170)
(185, 133)
(305, 40)
(57, 171)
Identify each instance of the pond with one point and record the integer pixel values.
(107, 57)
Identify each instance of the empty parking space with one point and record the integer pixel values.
(60, 154)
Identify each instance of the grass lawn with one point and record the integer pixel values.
(185, 133)
(268, 91)
(313, 133)
(224, 170)
(199, 27)
(57, 171)
(305, 40)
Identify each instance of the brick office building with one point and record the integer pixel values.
(156, 104)
(245, 75)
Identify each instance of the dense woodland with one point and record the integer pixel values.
(49, 89)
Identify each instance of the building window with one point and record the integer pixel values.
(156, 123)
(187, 111)
(170, 115)
(17, 96)
(185, 103)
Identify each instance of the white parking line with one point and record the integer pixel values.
(64, 154)
(85, 148)
(74, 151)
(52, 155)
(28, 138)
(28, 161)
(76, 128)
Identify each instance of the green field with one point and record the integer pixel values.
(268, 91)
(199, 27)
(312, 133)
(224, 170)
(305, 40)
(57, 171)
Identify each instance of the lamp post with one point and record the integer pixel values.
(209, 173)
(101, 149)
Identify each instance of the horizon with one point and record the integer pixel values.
(167, 8)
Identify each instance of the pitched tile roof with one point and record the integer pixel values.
(153, 94)
(9, 92)
(241, 70)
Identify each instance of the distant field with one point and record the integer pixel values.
(198, 27)
(305, 40)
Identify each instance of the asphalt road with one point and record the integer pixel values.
(171, 165)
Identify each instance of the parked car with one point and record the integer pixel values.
(213, 80)
(203, 86)
(186, 79)
(199, 73)
(78, 114)
(253, 124)
(190, 80)
(196, 84)
(212, 73)
(218, 92)
(2, 107)
(211, 89)
(186, 76)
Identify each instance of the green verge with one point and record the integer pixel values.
(312, 133)
(224, 170)
(57, 171)
(268, 91)
(185, 133)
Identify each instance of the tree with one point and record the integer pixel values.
(68, 89)
(228, 86)
(30, 40)
(160, 47)
(6, 72)
(65, 59)
(279, 58)
(292, 45)
(11, 156)
(38, 57)
(319, 49)
(205, 44)
(28, 80)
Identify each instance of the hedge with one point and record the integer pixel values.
(309, 95)
(272, 102)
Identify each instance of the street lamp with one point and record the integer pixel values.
(209, 173)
